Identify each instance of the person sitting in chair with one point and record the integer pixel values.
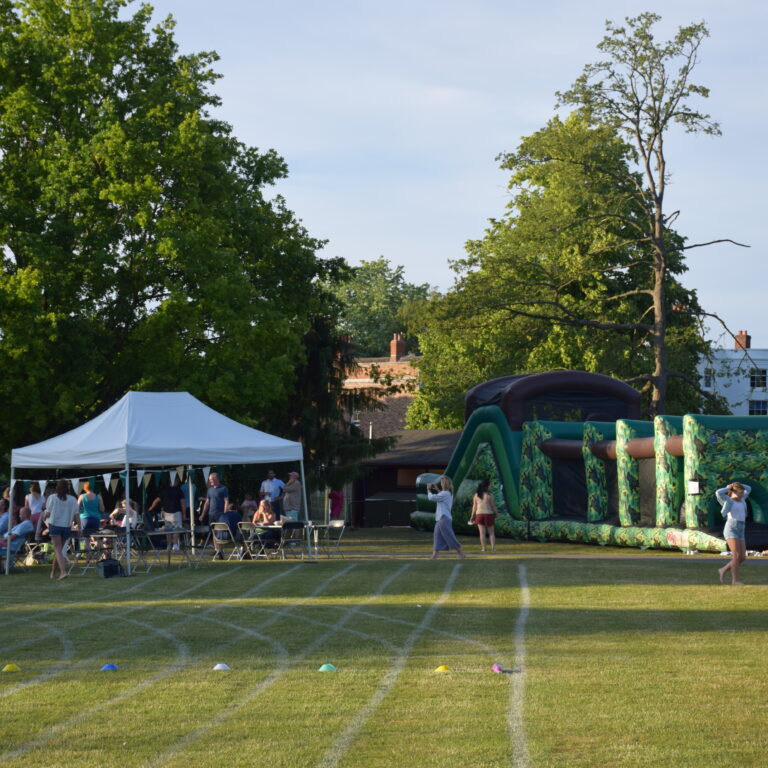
(264, 516)
(231, 517)
(18, 535)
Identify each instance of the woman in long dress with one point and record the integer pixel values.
(444, 537)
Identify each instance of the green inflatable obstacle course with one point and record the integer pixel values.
(569, 458)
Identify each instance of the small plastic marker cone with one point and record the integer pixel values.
(221, 667)
(443, 668)
(109, 668)
(11, 668)
(327, 668)
(497, 668)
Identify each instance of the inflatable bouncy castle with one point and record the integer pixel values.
(569, 458)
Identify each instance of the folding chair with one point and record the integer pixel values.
(293, 540)
(333, 534)
(223, 534)
(189, 554)
(18, 555)
(144, 550)
(250, 543)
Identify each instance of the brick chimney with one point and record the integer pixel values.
(743, 340)
(396, 348)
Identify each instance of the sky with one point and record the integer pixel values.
(390, 117)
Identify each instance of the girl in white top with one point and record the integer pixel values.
(734, 500)
(61, 514)
(36, 503)
(444, 537)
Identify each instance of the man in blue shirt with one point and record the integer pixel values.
(19, 533)
(216, 499)
(272, 490)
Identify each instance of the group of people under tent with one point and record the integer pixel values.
(56, 515)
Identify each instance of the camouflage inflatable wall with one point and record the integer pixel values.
(714, 451)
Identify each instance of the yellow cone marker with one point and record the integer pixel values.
(443, 668)
(11, 668)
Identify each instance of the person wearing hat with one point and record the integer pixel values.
(292, 496)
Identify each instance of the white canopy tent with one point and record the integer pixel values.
(158, 429)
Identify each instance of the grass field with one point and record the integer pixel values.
(627, 659)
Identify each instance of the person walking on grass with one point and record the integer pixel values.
(60, 514)
(444, 537)
(734, 500)
(484, 514)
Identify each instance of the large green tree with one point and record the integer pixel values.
(552, 277)
(643, 89)
(584, 265)
(376, 301)
(140, 248)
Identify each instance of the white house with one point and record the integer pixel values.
(738, 375)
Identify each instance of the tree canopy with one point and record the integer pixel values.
(537, 292)
(583, 270)
(376, 302)
(140, 249)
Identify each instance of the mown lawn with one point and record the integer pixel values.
(629, 661)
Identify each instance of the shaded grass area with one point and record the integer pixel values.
(408, 541)
(632, 662)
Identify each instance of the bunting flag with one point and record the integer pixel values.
(147, 479)
(180, 472)
(75, 484)
(27, 484)
(139, 476)
(172, 475)
(113, 483)
(107, 480)
(206, 474)
(158, 476)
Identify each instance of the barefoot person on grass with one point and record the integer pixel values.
(444, 537)
(484, 514)
(61, 514)
(734, 500)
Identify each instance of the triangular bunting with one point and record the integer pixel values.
(206, 474)
(139, 476)
(113, 483)
(107, 480)
(147, 479)
(172, 475)
(180, 471)
(75, 484)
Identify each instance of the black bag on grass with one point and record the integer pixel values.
(109, 567)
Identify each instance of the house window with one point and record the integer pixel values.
(709, 378)
(758, 407)
(757, 378)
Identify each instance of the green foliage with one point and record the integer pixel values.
(139, 250)
(377, 302)
(561, 281)
(319, 414)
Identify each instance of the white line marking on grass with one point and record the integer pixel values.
(250, 695)
(59, 668)
(348, 735)
(469, 640)
(109, 596)
(520, 756)
(172, 669)
(59, 728)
